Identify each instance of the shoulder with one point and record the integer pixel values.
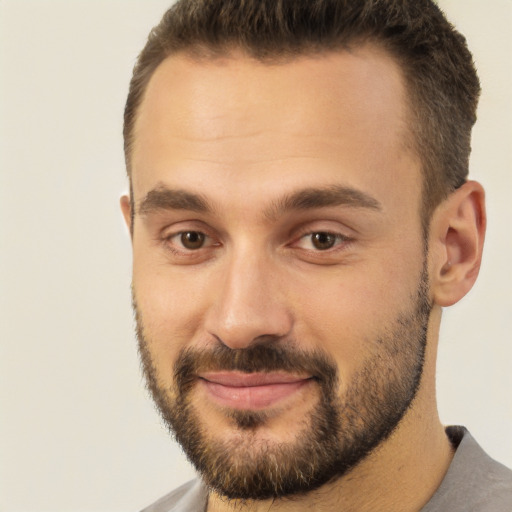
(191, 496)
(474, 482)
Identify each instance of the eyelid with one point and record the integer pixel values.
(183, 226)
(332, 227)
(346, 237)
(340, 239)
(178, 234)
(168, 239)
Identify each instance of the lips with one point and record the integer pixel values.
(251, 391)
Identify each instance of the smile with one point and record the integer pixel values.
(253, 391)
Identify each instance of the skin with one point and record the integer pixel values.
(243, 135)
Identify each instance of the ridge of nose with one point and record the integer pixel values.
(248, 306)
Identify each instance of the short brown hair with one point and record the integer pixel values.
(441, 79)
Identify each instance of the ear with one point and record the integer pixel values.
(126, 208)
(457, 234)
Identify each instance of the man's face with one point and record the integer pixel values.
(279, 278)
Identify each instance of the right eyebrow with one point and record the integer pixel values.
(163, 198)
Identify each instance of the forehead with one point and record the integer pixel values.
(344, 109)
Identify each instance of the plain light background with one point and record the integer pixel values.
(77, 430)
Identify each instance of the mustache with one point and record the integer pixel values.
(265, 357)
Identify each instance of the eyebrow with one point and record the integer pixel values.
(163, 198)
(312, 198)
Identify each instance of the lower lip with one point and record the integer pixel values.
(252, 397)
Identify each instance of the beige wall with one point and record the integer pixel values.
(77, 432)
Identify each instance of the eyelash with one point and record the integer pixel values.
(167, 241)
(339, 239)
(340, 243)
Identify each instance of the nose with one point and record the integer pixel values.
(249, 304)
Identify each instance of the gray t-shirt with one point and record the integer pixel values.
(474, 483)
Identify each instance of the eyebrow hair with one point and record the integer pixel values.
(163, 198)
(311, 198)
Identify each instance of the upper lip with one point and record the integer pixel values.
(238, 379)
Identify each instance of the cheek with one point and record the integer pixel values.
(171, 310)
(346, 312)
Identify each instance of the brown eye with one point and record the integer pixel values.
(323, 241)
(192, 239)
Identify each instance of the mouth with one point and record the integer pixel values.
(252, 391)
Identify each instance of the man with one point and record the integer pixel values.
(300, 214)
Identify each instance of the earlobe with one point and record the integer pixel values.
(126, 209)
(456, 243)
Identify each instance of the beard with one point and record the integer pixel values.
(334, 436)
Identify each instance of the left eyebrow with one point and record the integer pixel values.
(312, 198)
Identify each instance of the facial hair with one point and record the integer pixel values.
(339, 431)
